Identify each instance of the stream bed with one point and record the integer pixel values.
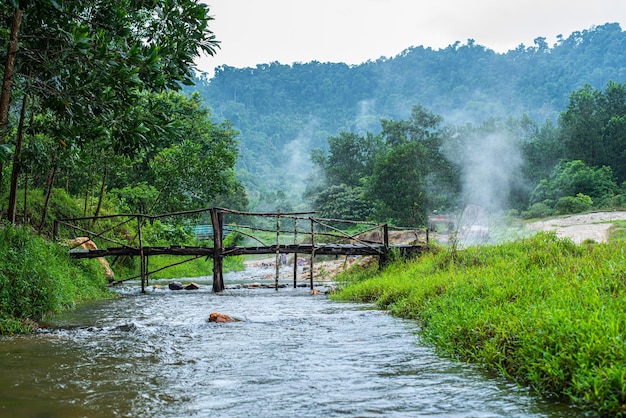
(292, 354)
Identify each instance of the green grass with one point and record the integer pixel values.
(37, 278)
(195, 268)
(542, 311)
(617, 233)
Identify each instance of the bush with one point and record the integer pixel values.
(538, 210)
(573, 204)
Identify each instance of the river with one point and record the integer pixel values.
(293, 354)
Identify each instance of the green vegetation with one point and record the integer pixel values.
(37, 279)
(284, 111)
(195, 268)
(92, 123)
(542, 311)
(416, 166)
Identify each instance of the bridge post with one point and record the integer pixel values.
(142, 259)
(295, 255)
(312, 251)
(277, 251)
(217, 219)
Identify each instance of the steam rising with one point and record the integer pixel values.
(296, 158)
(490, 167)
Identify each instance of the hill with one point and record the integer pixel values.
(284, 111)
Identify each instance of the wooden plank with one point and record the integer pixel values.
(320, 249)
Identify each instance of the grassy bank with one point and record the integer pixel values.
(194, 268)
(37, 278)
(542, 311)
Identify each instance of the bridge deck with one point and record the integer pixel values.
(320, 249)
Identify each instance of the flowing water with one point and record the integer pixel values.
(293, 354)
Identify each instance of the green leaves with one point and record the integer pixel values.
(5, 153)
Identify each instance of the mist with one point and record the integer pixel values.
(491, 165)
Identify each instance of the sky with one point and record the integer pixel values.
(255, 32)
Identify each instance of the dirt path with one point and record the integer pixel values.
(594, 226)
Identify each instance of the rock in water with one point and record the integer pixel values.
(218, 317)
(192, 286)
(175, 286)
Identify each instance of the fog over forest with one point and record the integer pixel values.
(283, 112)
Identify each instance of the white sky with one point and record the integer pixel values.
(253, 32)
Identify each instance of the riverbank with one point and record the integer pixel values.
(38, 279)
(542, 311)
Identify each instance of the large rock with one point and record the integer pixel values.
(218, 317)
(175, 285)
(86, 244)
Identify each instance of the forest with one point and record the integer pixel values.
(92, 116)
(346, 139)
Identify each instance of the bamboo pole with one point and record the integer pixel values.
(277, 251)
(383, 259)
(312, 251)
(142, 261)
(218, 277)
(295, 255)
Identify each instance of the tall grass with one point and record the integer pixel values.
(542, 311)
(194, 268)
(37, 278)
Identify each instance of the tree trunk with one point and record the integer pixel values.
(17, 164)
(49, 184)
(25, 220)
(7, 80)
(101, 197)
(87, 192)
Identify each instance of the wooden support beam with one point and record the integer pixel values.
(277, 251)
(218, 274)
(383, 258)
(142, 256)
(312, 252)
(295, 255)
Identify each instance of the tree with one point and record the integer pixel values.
(350, 158)
(399, 183)
(89, 62)
(189, 165)
(570, 178)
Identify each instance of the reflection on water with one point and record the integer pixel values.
(294, 354)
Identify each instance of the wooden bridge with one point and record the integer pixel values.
(298, 233)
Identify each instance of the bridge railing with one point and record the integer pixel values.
(275, 233)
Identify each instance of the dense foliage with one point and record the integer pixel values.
(284, 111)
(94, 109)
(542, 311)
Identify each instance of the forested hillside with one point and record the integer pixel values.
(285, 111)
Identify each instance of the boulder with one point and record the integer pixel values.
(191, 286)
(86, 244)
(220, 318)
(175, 286)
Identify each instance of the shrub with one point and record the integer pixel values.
(573, 204)
(538, 210)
